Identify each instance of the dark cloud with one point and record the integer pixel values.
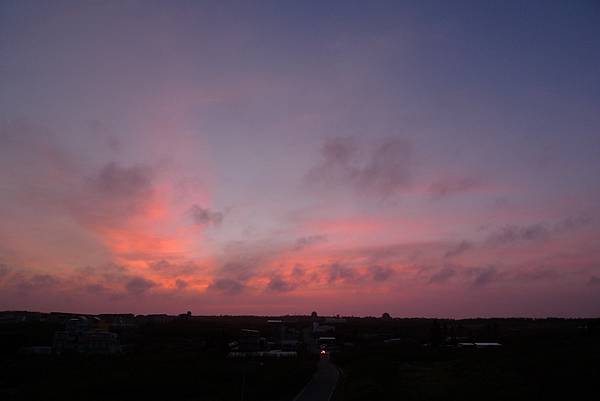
(380, 273)
(388, 170)
(113, 195)
(181, 284)
(486, 275)
(227, 285)
(241, 270)
(388, 253)
(448, 187)
(278, 284)
(382, 171)
(167, 268)
(298, 271)
(337, 163)
(123, 182)
(246, 259)
(442, 275)
(307, 241)
(37, 282)
(34, 146)
(139, 285)
(102, 130)
(110, 273)
(462, 247)
(594, 281)
(4, 270)
(513, 233)
(95, 288)
(202, 216)
(534, 232)
(104, 280)
(339, 272)
(538, 274)
(338, 151)
(572, 223)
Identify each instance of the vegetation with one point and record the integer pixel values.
(380, 359)
(539, 360)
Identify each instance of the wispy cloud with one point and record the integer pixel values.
(304, 242)
(227, 286)
(278, 284)
(139, 285)
(449, 187)
(381, 171)
(512, 234)
(443, 275)
(380, 273)
(594, 281)
(485, 275)
(202, 216)
(459, 249)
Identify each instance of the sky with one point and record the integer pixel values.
(420, 158)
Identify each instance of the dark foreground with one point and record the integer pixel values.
(186, 358)
(322, 385)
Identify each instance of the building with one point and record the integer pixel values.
(251, 341)
(85, 335)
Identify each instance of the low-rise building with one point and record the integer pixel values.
(83, 335)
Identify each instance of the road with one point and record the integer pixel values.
(322, 384)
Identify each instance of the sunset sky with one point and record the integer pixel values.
(420, 158)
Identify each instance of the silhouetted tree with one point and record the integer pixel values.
(436, 333)
(386, 316)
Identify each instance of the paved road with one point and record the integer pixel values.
(322, 384)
